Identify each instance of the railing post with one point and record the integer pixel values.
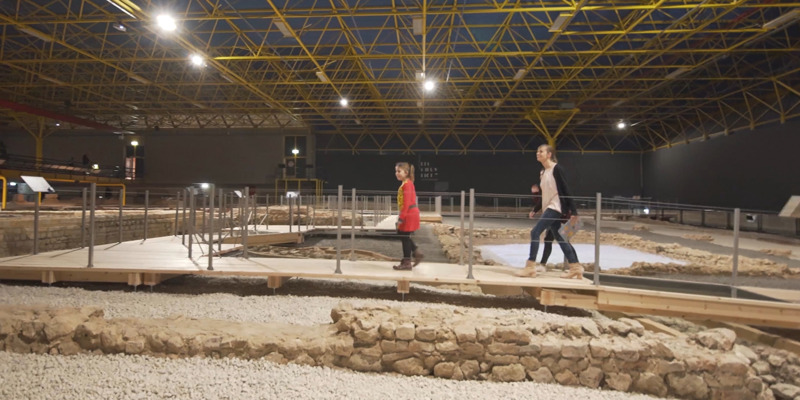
(339, 233)
(83, 218)
(736, 212)
(471, 225)
(598, 210)
(92, 197)
(146, 206)
(211, 227)
(353, 228)
(461, 234)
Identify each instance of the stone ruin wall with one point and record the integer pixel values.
(449, 344)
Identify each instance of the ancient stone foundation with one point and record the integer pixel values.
(450, 344)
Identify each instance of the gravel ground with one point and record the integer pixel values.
(135, 377)
(28, 376)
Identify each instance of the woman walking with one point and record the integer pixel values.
(556, 201)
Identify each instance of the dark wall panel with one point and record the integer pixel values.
(505, 173)
(749, 169)
(173, 156)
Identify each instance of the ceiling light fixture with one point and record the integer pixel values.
(343, 102)
(226, 77)
(118, 26)
(322, 77)
(678, 72)
(52, 80)
(127, 3)
(621, 125)
(197, 60)
(358, 121)
(429, 85)
(497, 103)
(139, 79)
(416, 25)
(520, 73)
(37, 34)
(166, 23)
(783, 19)
(283, 28)
(559, 23)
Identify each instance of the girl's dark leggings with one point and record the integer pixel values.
(408, 245)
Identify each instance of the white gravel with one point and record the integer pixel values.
(90, 377)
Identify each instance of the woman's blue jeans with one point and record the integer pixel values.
(549, 220)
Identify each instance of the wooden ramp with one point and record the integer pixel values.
(154, 260)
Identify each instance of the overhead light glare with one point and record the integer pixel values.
(118, 26)
(621, 125)
(420, 75)
(295, 151)
(559, 23)
(678, 72)
(416, 25)
(322, 77)
(283, 28)
(343, 102)
(197, 60)
(134, 143)
(783, 19)
(429, 85)
(37, 34)
(166, 23)
(520, 73)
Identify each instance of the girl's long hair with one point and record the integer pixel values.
(409, 168)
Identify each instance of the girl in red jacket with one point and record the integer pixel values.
(408, 221)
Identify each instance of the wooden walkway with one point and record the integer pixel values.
(154, 260)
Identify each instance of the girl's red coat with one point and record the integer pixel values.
(406, 198)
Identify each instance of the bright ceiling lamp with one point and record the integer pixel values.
(429, 85)
(197, 60)
(621, 125)
(343, 102)
(166, 23)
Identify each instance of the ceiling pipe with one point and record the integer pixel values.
(60, 117)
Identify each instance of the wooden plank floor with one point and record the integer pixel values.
(150, 262)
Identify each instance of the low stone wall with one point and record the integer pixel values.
(450, 344)
(61, 230)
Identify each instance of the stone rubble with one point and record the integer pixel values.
(458, 344)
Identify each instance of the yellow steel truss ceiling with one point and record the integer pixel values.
(505, 76)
